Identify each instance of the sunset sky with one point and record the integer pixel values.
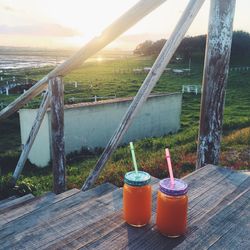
(64, 23)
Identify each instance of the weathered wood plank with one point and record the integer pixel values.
(2, 202)
(29, 205)
(98, 223)
(214, 197)
(227, 200)
(115, 199)
(33, 204)
(215, 76)
(14, 202)
(150, 239)
(57, 134)
(231, 219)
(238, 236)
(123, 23)
(153, 76)
(118, 235)
(82, 237)
(60, 220)
(209, 203)
(62, 204)
(33, 132)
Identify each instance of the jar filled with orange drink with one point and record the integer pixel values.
(137, 198)
(172, 204)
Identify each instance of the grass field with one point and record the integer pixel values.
(115, 77)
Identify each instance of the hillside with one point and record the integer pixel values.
(116, 77)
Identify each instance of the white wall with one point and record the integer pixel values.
(92, 125)
(40, 151)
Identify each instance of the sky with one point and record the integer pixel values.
(72, 23)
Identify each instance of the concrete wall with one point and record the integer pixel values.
(92, 124)
(40, 151)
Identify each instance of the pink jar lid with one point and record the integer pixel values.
(180, 187)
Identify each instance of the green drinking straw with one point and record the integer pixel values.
(133, 156)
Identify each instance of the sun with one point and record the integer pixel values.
(99, 59)
(83, 17)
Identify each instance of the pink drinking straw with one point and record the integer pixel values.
(170, 170)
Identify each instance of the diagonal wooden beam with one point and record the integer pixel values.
(33, 132)
(24, 98)
(147, 86)
(122, 24)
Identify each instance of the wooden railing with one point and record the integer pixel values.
(217, 53)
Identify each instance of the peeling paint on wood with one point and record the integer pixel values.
(215, 76)
(57, 134)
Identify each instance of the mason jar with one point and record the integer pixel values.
(172, 205)
(137, 198)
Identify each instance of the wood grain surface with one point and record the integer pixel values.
(218, 218)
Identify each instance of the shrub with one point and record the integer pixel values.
(239, 137)
(7, 188)
(8, 161)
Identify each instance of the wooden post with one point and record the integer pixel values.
(215, 76)
(57, 134)
(148, 84)
(122, 24)
(33, 132)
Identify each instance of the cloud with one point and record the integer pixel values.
(6, 8)
(49, 29)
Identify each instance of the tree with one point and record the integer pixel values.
(240, 45)
(143, 49)
(191, 46)
(157, 46)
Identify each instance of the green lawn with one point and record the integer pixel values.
(115, 77)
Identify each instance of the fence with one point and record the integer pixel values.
(191, 89)
(94, 98)
(246, 68)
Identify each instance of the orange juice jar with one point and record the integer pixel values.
(172, 204)
(137, 198)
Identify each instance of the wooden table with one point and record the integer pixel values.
(218, 218)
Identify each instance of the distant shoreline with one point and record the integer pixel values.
(23, 58)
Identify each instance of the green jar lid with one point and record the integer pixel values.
(140, 178)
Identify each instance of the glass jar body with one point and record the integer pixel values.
(171, 218)
(137, 204)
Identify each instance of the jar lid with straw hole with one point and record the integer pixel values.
(139, 178)
(179, 187)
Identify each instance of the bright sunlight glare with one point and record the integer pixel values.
(46, 23)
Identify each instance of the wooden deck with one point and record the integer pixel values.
(218, 218)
